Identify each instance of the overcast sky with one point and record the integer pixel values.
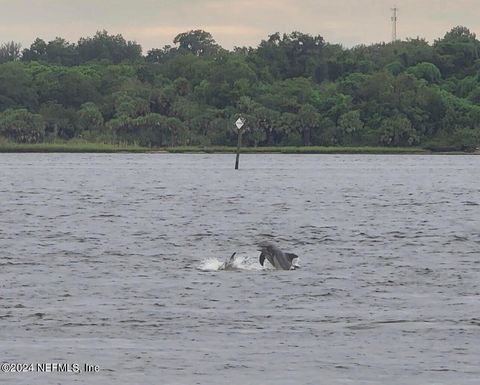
(154, 23)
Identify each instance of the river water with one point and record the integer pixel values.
(107, 260)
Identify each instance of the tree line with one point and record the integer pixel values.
(293, 89)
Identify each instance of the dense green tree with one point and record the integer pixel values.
(293, 89)
(457, 51)
(398, 131)
(67, 86)
(264, 124)
(294, 55)
(89, 117)
(290, 128)
(177, 133)
(427, 71)
(16, 87)
(10, 51)
(162, 100)
(60, 122)
(309, 121)
(36, 52)
(197, 42)
(112, 48)
(59, 51)
(129, 106)
(160, 55)
(350, 127)
(21, 126)
(328, 135)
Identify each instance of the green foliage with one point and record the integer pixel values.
(196, 42)
(293, 55)
(61, 52)
(426, 71)
(16, 88)
(457, 51)
(10, 52)
(90, 117)
(459, 140)
(58, 51)
(21, 126)
(36, 52)
(67, 86)
(350, 128)
(60, 122)
(293, 90)
(111, 48)
(395, 68)
(398, 131)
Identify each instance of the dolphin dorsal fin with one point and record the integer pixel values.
(291, 256)
(262, 258)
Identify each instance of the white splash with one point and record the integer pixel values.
(210, 264)
(295, 264)
(239, 263)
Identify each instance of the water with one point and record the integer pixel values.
(102, 259)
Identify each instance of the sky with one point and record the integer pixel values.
(154, 23)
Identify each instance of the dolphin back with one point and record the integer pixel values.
(291, 256)
(276, 257)
(268, 252)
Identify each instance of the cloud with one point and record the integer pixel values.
(154, 23)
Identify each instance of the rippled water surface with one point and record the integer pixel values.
(101, 256)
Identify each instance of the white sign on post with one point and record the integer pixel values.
(239, 123)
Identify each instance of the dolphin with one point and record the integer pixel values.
(229, 264)
(277, 258)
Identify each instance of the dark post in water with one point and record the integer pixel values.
(239, 123)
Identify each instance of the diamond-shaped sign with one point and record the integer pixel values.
(239, 123)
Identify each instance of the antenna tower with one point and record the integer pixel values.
(394, 24)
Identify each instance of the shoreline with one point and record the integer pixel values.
(111, 149)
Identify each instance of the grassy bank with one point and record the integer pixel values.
(110, 148)
(71, 147)
(114, 148)
(302, 150)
